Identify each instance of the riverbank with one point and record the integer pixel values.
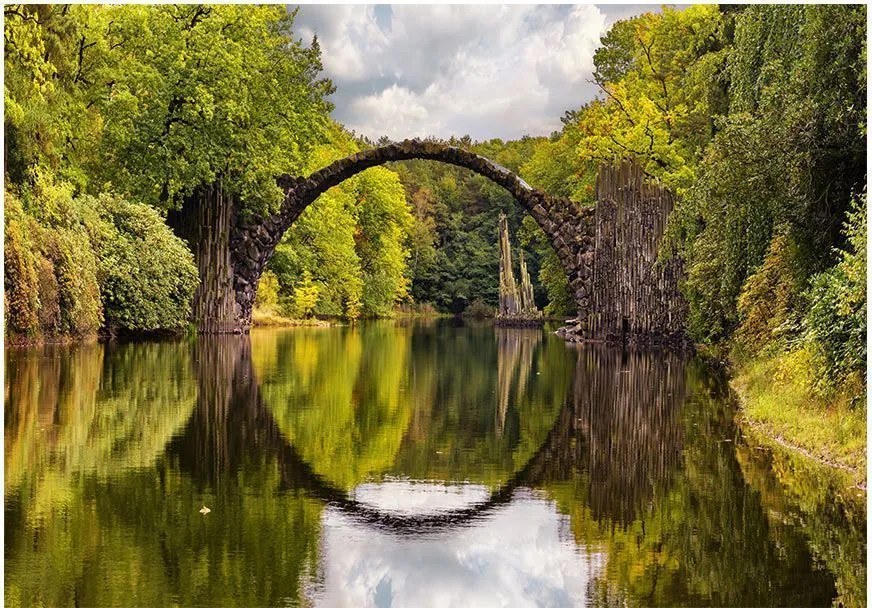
(267, 318)
(781, 407)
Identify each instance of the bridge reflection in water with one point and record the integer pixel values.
(617, 426)
(359, 465)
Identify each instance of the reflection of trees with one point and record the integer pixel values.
(382, 399)
(339, 397)
(801, 492)
(483, 407)
(77, 410)
(124, 528)
(654, 484)
(514, 363)
(629, 445)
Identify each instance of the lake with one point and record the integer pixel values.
(405, 464)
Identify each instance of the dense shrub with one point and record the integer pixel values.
(75, 263)
(479, 309)
(50, 271)
(836, 319)
(20, 270)
(767, 304)
(147, 275)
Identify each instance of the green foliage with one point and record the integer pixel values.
(384, 220)
(478, 309)
(137, 97)
(178, 114)
(140, 105)
(267, 291)
(836, 318)
(766, 305)
(658, 73)
(91, 261)
(453, 237)
(784, 161)
(305, 296)
(352, 241)
(20, 269)
(552, 275)
(147, 275)
(52, 286)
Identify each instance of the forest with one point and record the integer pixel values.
(754, 117)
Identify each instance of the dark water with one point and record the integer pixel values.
(417, 465)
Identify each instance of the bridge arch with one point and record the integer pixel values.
(253, 241)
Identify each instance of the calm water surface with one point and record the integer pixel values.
(404, 465)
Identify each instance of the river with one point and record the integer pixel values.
(404, 464)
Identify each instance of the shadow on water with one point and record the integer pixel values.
(327, 453)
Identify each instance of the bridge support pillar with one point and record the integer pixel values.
(206, 221)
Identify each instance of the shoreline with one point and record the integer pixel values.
(820, 453)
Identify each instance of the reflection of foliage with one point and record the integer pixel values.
(71, 412)
(338, 398)
(461, 430)
(98, 517)
(126, 543)
(815, 498)
(703, 536)
(367, 402)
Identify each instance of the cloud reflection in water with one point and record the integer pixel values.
(520, 555)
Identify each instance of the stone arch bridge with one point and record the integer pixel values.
(232, 249)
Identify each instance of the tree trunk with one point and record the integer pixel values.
(205, 221)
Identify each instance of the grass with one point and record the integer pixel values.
(265, 317)
(779, 401)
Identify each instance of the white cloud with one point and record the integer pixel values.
(486, 70)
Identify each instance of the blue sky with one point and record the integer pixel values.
(482, 70)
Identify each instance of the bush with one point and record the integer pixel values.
(50, 267)
(767, 303)
(836, 321)
(20, 270)
(73, 262)
(147, 275)
(75, 267)
(479, 309)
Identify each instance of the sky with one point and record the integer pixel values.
(480, 70)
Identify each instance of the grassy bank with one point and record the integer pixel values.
(270, 318)
(781, 405)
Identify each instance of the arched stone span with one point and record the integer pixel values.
(253, 240)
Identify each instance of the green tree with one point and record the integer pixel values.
(659, 75)
(785, 160)
(837, 321)
(306, 296)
